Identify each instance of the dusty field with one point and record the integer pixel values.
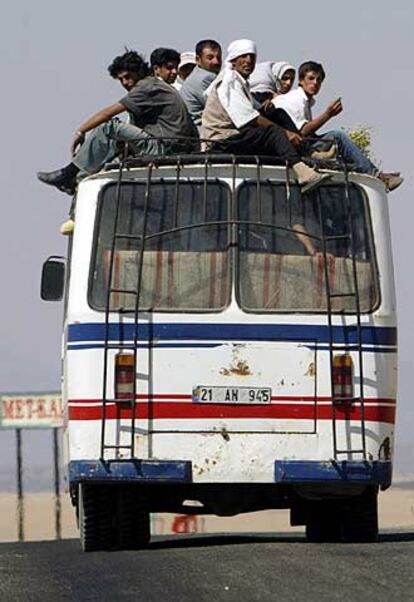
(396, 511)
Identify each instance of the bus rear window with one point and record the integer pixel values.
(186, 259)
(280, 251)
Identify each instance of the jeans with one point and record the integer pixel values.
(101, 146)
(350, 153)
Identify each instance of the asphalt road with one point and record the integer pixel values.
(214, 568)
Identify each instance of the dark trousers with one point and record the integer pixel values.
(269, 140)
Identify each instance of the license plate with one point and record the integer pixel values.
(241, 395)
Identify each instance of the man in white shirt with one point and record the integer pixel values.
(231, 121)
(294, 113)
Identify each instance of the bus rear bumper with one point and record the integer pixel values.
(313, 472)
(170, 471)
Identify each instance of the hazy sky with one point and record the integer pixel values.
(53, 61)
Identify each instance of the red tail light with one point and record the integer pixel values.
(124, 376)
(343, 378)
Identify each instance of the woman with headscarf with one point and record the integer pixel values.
(270, 79)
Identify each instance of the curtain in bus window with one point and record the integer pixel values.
(185, 263)
(281, 264)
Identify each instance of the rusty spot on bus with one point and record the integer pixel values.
(311, 371)
(239, 368)
(225, 434)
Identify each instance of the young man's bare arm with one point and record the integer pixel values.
(94, 121)
(313, 126)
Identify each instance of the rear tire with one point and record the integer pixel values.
(354, 520)
(360, 518)
(112, 517)
(95, 517)
(323, 524)
(132, 530)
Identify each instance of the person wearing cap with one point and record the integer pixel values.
(208, 65)
(294, 112)
(232, 123)
(187, 64)
(270, 79)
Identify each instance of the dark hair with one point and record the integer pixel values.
(206, 44)
(161, 56)
(129, 61)
(311, 66)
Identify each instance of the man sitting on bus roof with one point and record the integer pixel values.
(208, 65)
(294, 112)
(159, 120)
(232, 122)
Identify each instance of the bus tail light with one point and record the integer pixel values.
(343, 378)
(124, 376)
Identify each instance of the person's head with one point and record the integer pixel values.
(128, 69)
(164, 64)
(187, 64)
(284, 75)
(242, 56)
(311, 76)
(208, 55)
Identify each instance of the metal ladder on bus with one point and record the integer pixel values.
(357, 400)
(119, 331)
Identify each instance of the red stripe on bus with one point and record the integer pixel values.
(193, 411)
(287, 399)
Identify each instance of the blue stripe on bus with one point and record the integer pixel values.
(302, 471)
(371, 335)
(155, 345)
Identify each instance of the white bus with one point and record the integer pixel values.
(229, 346)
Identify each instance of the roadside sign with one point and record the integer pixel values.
(31, 410)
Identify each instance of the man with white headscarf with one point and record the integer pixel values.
(270, 79)
(232, 123)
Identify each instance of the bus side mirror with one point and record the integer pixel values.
(53, 279)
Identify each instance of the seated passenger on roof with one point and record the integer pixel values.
(159, 121)
(294, 113)
(232, 123)
(186, 66)
(208, 59)
(270, 79)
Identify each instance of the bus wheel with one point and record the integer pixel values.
(360, 517)
(132, 519)
(323, 523)
(95, 519)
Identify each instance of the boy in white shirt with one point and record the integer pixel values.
(294, 113)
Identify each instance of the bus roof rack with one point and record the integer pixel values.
(217, 159)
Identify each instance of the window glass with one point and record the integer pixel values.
(183, 268)
(280, 253)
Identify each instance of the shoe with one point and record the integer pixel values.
(391, 180)
(324, 155)
(309, 178)
(67, 227)
(59, 179)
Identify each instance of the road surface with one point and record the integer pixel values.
(221, 567)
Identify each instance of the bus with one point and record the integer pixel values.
(229, 346)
